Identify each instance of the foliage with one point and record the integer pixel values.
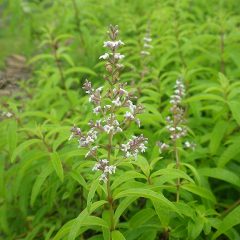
(47, 188)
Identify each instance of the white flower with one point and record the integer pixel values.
(128, 115)
(125, 147)
(146, 45)
(187, 144)
(104, 56)
(145, 53)
(113, 44)
(123, 91)
(117, 102)
(142, 147)
(97, 110)
(110, 169)
(132, 107)
(147, 39)
(99, 89)
(108, 128)
(103, 177)
(118, 56)
(138, 122)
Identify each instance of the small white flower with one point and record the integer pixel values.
(123, 91)
(118, 56)
(103, 177)
(146, 45)
(97, 110)
(132, 107)
(147, 39)
(142, 147)
(99, 89)
(117, 102)
(113, 44)
(129, 116)
(138, 122)
(145, 53)
(108, 128)
(187, 144)
(104, 56)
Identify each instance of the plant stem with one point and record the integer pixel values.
(57, 61)
(222, 63)
(177, 166)
(77, 19)
(109, 194)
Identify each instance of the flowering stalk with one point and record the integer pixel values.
(145, 57)
(176, 127)
(109, 103)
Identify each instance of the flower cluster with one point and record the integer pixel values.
(7, 114)
(147, 45)
(175, 122)
(109, 106)
(103, 165)
(134, 146)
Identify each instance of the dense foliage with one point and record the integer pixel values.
(178, 94)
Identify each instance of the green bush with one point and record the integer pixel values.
(184, 187)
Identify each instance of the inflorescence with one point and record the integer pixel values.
(106, 106)
(175, 122)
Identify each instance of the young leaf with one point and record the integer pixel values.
(57, 165)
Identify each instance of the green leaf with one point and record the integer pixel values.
(217, 136)
(79, 178)
(231, 220)
(200, 191)
(141, 217)
(204, 96)
(93, 188)
(40, 57)
(126, 177)
(117, 235)
(77, 223)
(122, 207)
(12, 136)
(57, 165)
(222, 174)
(234, 107)
(231, 151)
(46, 171)
(147, 193)
(170, 174)
(80, 70)
(22, 147)
(195, 227)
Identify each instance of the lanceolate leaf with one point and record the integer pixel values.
(231, 220)
(23, 146)
(220, 173)
(57, 165)
(200, 191)
(147, 193)
(217, 136)
(230, 152)
(46, 171)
